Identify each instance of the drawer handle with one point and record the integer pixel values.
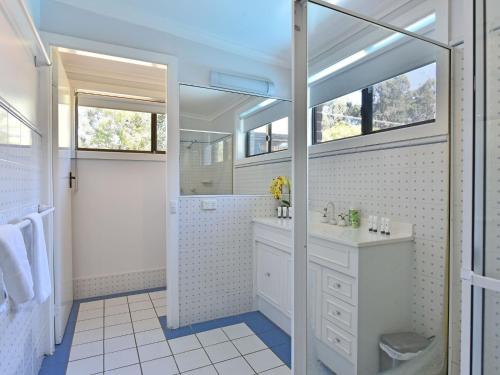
(338, 313)
(338, 285)
(337, 340)
(268, 274)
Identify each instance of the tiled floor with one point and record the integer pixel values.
(127, 335)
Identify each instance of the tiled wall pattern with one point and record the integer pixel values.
(215, 256)
(256, 179)
(118, 283)
(457, 213)
(22, 334)
(404, 183)
(198, 179)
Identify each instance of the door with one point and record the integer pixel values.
(481, 264)
(61, 169)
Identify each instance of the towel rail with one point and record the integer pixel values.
(24, 223)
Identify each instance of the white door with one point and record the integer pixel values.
(481, 251)
(61, 167)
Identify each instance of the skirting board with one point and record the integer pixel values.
(118, 283)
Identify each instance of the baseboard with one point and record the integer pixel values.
(96, 286)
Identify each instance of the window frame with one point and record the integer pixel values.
(269, 139)
(367, 113)
(154, 136)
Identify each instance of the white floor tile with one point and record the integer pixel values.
(162, 366)
(138, 297)
(222, 352)
(85, 325)
(158, 294)
(86, 366)
(119, 343)
(88, 336)
(249, 344)
(86, 350)
(160, 302)
(282, 370)
(154, 351)
(191, 360)
(263, 360)
(118, 330)
(149, 337)
(90, 314)
(212, 337)
(115, 301)
(113, 320)
(143, 305)
(234, 366)
(129, 370)
(146, 325)
(209, 370)
(120, 359)
(161, 311)
(143, 314)
(238, 330)
(183, 344)
(118, 309)
(91, 305)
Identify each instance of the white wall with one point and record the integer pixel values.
(119, 226)
(23, 335)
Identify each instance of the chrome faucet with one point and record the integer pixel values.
(331, 215)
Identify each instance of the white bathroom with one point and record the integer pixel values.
(192, 189)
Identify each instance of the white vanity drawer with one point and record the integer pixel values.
(333, 255)
(340, 341)
(338, 312)
(339, 285)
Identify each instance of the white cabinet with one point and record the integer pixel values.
(359, 287)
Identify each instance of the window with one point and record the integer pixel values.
(105, 129)
(405, 100)
(269, 138)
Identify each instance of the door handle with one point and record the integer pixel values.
(71, 178)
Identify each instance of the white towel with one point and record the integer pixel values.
(14, 264)
(40, 263)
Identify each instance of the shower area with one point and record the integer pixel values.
(375, 117)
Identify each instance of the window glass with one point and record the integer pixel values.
(409, 98)
(161, 131)
(338, 118)
(258, 141)
(111, 129)
(279, 135)
(219, 151)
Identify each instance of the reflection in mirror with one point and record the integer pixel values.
(378, 193)
(224, 136)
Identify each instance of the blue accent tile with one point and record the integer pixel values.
(284, 352)
(274, 337)
(259, 323)
(178, 332)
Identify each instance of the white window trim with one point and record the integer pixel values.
(112, 155)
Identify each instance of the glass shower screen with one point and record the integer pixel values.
(378, 194)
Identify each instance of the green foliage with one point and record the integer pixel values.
(110, 129)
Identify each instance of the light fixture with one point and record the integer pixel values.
(111, 58)
(258, 107)
(414, 27)
(240, 83)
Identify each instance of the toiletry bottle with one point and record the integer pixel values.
(382, 225)
(375, 224)
(354, 217)
(370, 223)
(284, 213)
(280, 212)
(387, 227)
(290, 212)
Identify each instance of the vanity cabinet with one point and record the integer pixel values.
(359, 287)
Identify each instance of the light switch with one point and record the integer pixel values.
(209, 204)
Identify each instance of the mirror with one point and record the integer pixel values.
(221, 129)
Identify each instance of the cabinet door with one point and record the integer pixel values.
(269, 273)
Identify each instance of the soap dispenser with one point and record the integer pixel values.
(324, 218)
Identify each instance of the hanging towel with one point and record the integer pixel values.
(40, 264)
(14, 264)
